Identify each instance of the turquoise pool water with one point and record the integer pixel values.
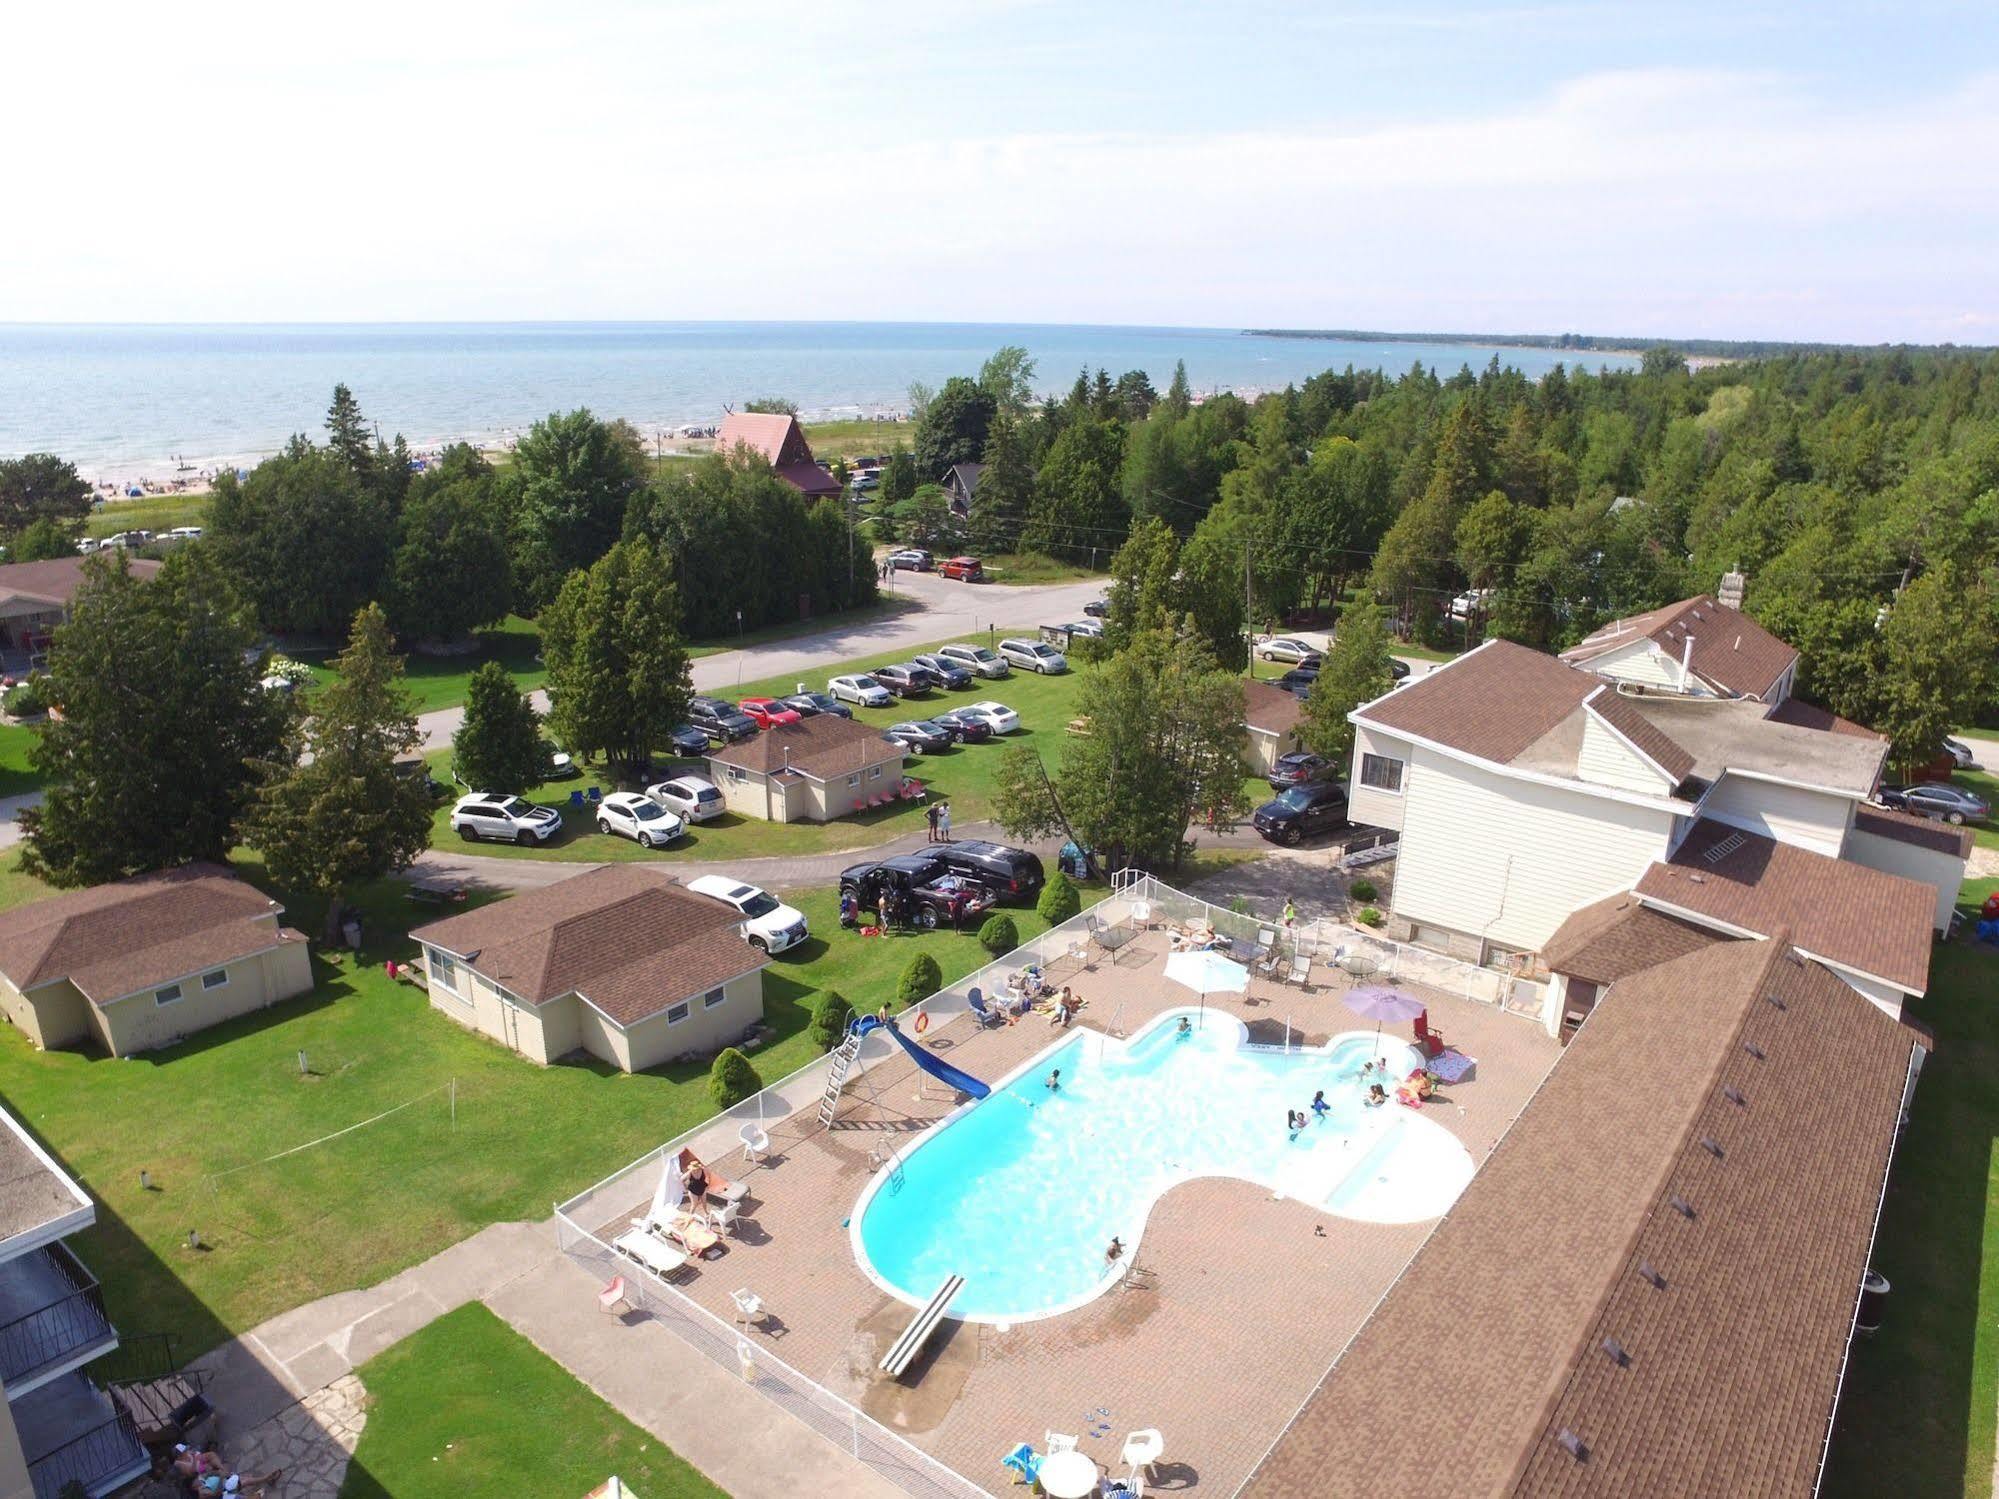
(1021, 1193)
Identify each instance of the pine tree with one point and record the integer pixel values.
(1179, 396)
(348, 433)
(498, 747)
(1006, 487)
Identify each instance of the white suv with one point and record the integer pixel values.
(767, 924)
(510, 819)
(979, 660)
(634, 815)
(1034, 655)
(692, 797)
(860, 688)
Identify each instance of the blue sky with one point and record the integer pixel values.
(1798, 171)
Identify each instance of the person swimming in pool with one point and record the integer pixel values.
(1319, 1104)
(1294, 1120)
(1054, 1083)
(1186, 1026)
(1376, 1096)
(1114, 1253)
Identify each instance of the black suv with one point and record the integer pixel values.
(811, 704)
(905, 679)
(1012, 874)
(921, 888)
(948, 673)
(1301, 811)
(720, 720)
(1298, 681)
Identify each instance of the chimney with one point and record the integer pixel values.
(1734, 584)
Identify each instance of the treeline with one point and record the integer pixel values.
(1711, 348)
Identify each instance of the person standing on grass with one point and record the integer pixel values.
(930, 818)
(944, 823)
(881, 913)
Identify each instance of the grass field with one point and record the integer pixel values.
(16, 773)
(440, 681)
(857, 439)
(1020, 568)
(469, 1406)
(1917, 1415)
(964, 775)
(155, 513)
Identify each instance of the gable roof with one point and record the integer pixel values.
(1619, 936)
(1733, 1355)
(55, 580)
(117, 939)
(822, 746)
(1731, 652)
(1646, 737)
(1270, 708)
(1803, 715)
(1920, 832)
(964, 477)
(773, 436)
(626, 937)
(1849, 915)
(1492, 702)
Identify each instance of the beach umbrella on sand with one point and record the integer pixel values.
(1378, 1002)
(1207, 973)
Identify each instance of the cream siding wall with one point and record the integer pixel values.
(1264, 748)
(1816, 820)
(1607, 760)
(1369, 805)
(55, 1015)
(1942, 872)
(653, 1040)
(139, 1023)
(1642, 661)
(804, 799)
(596, 1035)
(1509, 860)
(751, 796)
(561, 1029)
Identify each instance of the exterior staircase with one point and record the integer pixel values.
(836, 1077)
(146, 1382)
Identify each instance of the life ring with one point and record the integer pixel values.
(922, 1021)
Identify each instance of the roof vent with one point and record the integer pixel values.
(1712, 1146)
(1649, 1273)
(1573, 1445)
(1724, 848)
(1734, 1095)
(1618, 1355)
(1754, 1050)
(1776, 1001)
(1681, 1206)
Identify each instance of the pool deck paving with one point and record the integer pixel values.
(1239, 1303)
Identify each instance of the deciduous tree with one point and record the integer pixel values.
(953, 428)
(1358, 669)
(567, 488)
(303, 537)
(451, 571)
(617, 671)
(41, 486)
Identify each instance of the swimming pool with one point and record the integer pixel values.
(1021, 1192)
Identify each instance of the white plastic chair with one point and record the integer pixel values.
(756, 1144)
(749, 1305)
(723, 1218)
(1060, 1443)
(1142, 1449)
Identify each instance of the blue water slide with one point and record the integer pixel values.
(943, 1071)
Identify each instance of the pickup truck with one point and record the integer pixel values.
(922, 890)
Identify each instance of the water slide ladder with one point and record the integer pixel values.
(836, 1076)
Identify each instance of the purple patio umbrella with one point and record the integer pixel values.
(1378, 1002)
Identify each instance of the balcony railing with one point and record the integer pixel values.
(57, 1331)
(106, 1453)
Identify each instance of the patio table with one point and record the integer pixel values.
(1111, 938)
(1069, 1475)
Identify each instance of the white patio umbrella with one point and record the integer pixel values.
(1207, 973)
(1378, 1002)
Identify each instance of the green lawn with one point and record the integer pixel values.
(1032, 567)
(16, 774)
(1917, 1413)
(469, 1406)
(440, 681)
(155, 513)
(17, 886)
(964, 774)
(857, 439)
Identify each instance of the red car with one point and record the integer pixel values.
(966, 569)
(768, 711)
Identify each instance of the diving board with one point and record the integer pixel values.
(921, 1326)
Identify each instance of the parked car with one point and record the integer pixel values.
(691, 798)
(1299, 680)
(922, 889)
(720, 720)
(1033, 655)
(1089, 629)
(1010, 873)
(1960, 754)
(965, 726)
(415, 768)
(806, 704)
(184, 533)
(1300, 768)
(864, 479)
(1002, 718)
(560, 763)
(965, 569)
(505, 819)
(860, 689)
(948, 673)
(1398, 668)
(1939, 801)
(768, 712)
(1097, 608)
(1300, 811)
(904, 679)
(768, 924)
(687, 741)
(911, 559)
(634, 815)
(919, 736)
(979, 660)
(1286, 648)
(1471, 601)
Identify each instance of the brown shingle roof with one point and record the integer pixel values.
(772, 436)
(1617, 937)
(54, 581)
(1803, 715)
(1491, 1344)
(1645, 736)
(626, 937)
(116, 939)
(1731, 650)
(1492, 702)
(822, 747)
(1270, 708)
(1906, 827)
(1844, 912)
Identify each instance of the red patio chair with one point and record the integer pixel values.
(1431, 1041)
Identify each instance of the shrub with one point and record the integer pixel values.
(732, 1079)
(1239, 904)
(1369, 916)
(830, 1014)
(1363, 891)
(1059, 900)
(26, 700)
(999, 935)
(921, 979)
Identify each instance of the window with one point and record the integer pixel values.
(712, 998)
(442, 969)
(215, 979)
(853, 781)
(167, 996)
(1382, 773)
(738, 774)
(874, 772)
(677, 1013)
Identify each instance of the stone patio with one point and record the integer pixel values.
(311, 1441)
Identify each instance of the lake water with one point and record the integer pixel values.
(121, 401)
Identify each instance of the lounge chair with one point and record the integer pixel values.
(691, 1234)
(1301, 971)
(651, 1252)
(1024, 1463)
(985, 1013)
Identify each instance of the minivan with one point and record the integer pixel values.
(1033, 655)
(977, 659)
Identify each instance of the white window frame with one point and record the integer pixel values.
(715, 996)
(1401, 772)
(737, 775)
(685, 1007)
(874, 772)
(168, 994)
(220, 975)
(853, 781)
